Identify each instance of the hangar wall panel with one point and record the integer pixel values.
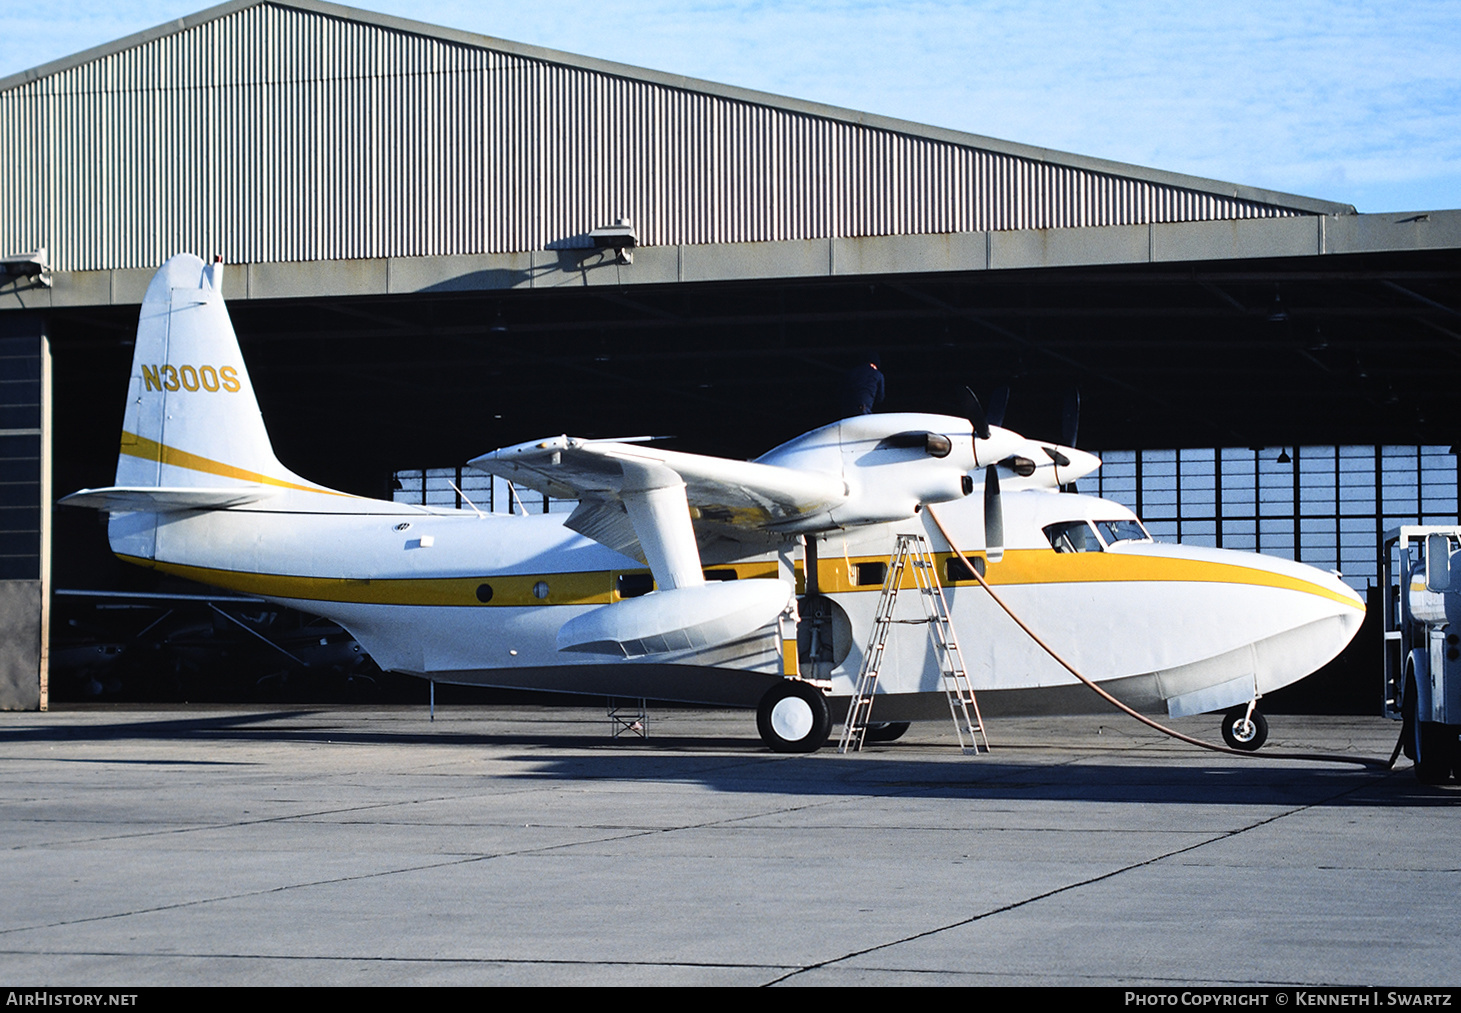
(275, 134)
(25, 497)
(1328, 506)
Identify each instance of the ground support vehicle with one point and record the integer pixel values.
(1421, 567)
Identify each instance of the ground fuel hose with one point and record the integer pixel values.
(1320, 757)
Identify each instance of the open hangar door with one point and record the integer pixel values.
(1352, 349)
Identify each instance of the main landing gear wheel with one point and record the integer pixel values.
(888, 731)
(1243, 732)
(793, 718)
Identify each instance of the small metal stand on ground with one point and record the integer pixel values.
(913, 551)
(628, 717)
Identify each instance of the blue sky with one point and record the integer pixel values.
(1351, 102)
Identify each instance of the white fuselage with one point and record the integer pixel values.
(527, 601)
(460, 597)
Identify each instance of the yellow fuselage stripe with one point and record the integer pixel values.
(1019, 567)
(1045, 566)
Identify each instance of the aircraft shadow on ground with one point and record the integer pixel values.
(1199, 781)
(743, 765)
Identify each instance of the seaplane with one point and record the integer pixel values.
(702, 580)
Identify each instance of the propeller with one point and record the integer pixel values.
(993, 517)
(974, 411)
(1061, 461)
(1070, 417)
(993, 511)
(999, 401)
(1070, 422)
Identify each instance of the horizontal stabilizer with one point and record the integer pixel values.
(682, 619)
(121, 499)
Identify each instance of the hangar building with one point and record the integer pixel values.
(420, 231)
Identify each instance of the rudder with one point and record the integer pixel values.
(192, 418)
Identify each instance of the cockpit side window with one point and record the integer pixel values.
(1072, 536)
(1112, 532)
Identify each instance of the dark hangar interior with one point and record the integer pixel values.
(1351, 349)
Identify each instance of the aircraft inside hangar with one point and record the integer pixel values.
(1189, 313)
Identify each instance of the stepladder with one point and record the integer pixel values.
(914, 559)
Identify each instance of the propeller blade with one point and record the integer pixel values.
(974, 412)
(993, 517)
(1061, 461)
(1070, 419)
(998, 402)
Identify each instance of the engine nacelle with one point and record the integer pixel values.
(891, 464)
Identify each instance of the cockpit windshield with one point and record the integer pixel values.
(1112, 532)
(1093, 536)
(1072, 536)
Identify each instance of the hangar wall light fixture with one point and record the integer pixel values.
(32, 266)
(619, 237)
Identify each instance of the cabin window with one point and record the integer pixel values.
(1072, 536)
(870, 574)
(1112, 532)
(636, 585)
(955, 570)
(633, 585)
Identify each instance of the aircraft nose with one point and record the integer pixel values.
(1329, 600)
(1329, 582)
(1264, 621)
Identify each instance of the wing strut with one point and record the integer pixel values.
(654, 497)
(683, 613)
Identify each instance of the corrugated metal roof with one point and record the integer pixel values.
(301, 131)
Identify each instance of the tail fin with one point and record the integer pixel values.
(192, 419)
(192, 436)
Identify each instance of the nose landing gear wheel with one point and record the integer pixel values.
(793, 718)
(1242, 732)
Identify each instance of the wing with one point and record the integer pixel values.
(737, 501)
(667, 508)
